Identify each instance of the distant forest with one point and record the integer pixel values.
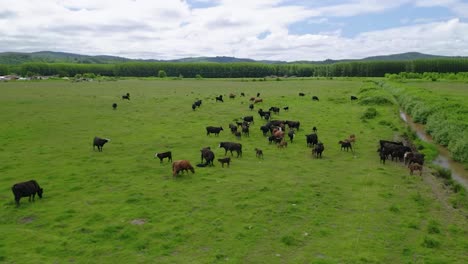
(239, 69)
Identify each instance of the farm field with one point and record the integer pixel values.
(123, 205)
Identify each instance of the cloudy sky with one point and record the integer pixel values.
(286, 30)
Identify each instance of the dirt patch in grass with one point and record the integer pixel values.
(26, 220)
(138, 221)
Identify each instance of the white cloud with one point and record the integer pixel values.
(160, 29)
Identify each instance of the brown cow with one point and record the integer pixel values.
(414, 167)
(258, 153)
(258, 100)
(283, 144)
(181, 165)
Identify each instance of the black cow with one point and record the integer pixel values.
(127, 96)
(208, 155)
(198, 103)
(242, 94)
(315, 98)
(346, 145)
(263, 113)
(231, 146)
(274, 109)
(258, 94)
(318, 149)
(293, 124)
(274, 139)
(314, 129)
(238, 134)
(233, 128)
(164, 155)
(382, 156)
(286, 108)
(214, 130)
(248, 119)
(291, 135)
(353, 98)
(415, 158)
(311, 139)
(194, 106)
(99, 142)
(219, 98)
(26, 189)
(301, 94)
(251, 106)
(264, 130)
(114, 106)
(245, 130)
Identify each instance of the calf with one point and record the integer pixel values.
(99, 142)
(258, 153)
(163, 155)
(214, 130)
(415, 167)
(346, 145)
(181, 165)
(283, 144)
(225, 160)
(26, 189)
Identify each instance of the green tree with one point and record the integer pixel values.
(162, 74)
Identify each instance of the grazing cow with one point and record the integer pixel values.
(214, 130)
(251, 107)
(258, 100)
(415, 158)
(127, 96)
(249, 119)
(232, 96)
(345, 144)
(198, 103)
(264, 130)
(99, 142)
(219, 98)
(242, 94)
(114, 106)
(263, 113)
(283, 144)
(301, 94)
(258, 153)
(194, 106)
(26, 189)
(233, 128)
(415, 167)
(163, 155)
(286, 108)
(238, 134)
(275, 139)
(245, 130)
(311, 140)
(318, 149)
(225, 160)
(258, 94)
(181, 165)
(278, 133)
(231, 146)
(293, 124)
(353, 98)
(274, 109)
(315, 98)
(291, 135)
(394, 149)
(208, 155)
(314, 129)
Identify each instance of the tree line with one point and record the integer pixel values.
(240, 69)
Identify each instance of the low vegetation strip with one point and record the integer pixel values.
(445, 115)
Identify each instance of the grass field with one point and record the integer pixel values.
(122, 206)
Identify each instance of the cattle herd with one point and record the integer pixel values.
(273, 130)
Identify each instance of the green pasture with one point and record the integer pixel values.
(123, 206)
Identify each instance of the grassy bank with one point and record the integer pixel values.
(122, 204)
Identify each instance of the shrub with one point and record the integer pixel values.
(162, 74)
(369, 113)
(430, 242)
(198, 77)
(441, 172)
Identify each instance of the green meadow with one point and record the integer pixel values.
(123, 206)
